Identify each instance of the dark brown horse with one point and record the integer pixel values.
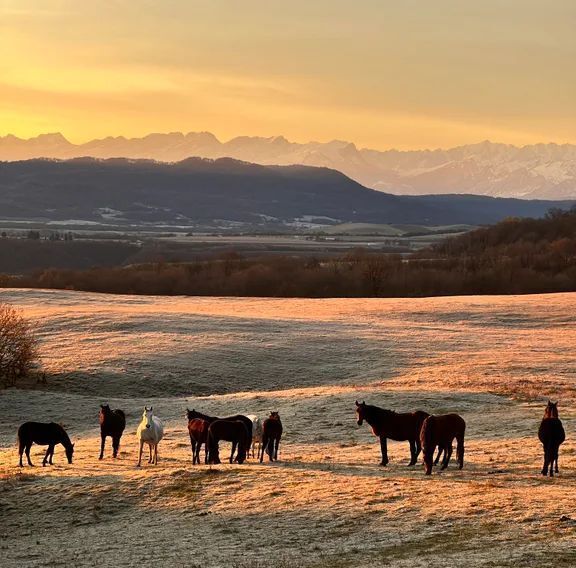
(244, 419)
(44, 434)
(551, 434)
(396, 426)
(198, 430)
(271, 434)
(112, 423)
(234, 431)
(441, 431)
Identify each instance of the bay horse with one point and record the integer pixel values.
(234, 431)
(244, 419)
(441, 430)
(198, 431)
(256, 433)
(44, 434)
(112, 423)
(150, 431)
(271, 434)
(551, 434)
(399, 426)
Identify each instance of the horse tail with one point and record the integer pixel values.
(428, 442)
(460, 450)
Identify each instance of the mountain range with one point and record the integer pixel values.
(541, 171)
(121, 191)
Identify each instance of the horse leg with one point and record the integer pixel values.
(20, 451)
(447, 456)
(412, 452)
(51, 454)
(460, 452)
(45, 460)
(556, 460)
(276, 449)
(418, 449)
(140, 453)
(384, 450)
(234, 444)
(28, 447)
(437, 460)
(193, 446)
(102, 443)
(551, 460)
(149, 453)
(156, 454)
(115, 446)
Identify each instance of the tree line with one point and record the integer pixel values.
(516, 256)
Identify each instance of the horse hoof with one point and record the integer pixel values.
(383, 464)
(101, 457)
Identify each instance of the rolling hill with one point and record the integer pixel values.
(140, 192)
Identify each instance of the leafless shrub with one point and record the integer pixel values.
(18, 345)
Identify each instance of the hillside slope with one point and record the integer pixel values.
(136, 192)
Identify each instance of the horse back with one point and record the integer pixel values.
(401, 426)
(229, 430)
(272, 428)
(41, 433)
(198, 429)
(551, 431)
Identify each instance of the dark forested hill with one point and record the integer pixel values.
(137, 192)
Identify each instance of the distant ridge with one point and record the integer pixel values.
(131, 192)
(540, 171)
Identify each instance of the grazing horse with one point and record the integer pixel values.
(256, 433)
(271, 434)
(234, 431)
(244, 419)
(198, 430)
(393, 425)
(112, 423)
(150, 431)
(441, 431)
(551, 434)
(44, 435)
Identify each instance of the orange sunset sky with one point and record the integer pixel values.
(409, 74)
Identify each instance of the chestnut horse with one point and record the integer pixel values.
(396, 426)
(441, 431)
(43, 434)
(234, 431)
(112, 423)
(551, 434)
(271, 434)
(198, 430)
(244, 419)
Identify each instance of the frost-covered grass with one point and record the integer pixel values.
(326, 503)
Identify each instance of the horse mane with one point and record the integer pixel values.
(376, 412)
(200, 415)
(66, 441)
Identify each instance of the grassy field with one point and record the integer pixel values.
(494, 360)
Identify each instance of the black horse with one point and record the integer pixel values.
(234, 431)
(44, 435)
(396, 426)
(551, 434)
(271, 435)
(191, 414)
(112, 423)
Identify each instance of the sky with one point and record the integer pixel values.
(383, 74)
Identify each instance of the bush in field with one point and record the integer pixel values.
(18, 345)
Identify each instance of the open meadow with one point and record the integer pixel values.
(494, 360)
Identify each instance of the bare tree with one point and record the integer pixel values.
(18, 345)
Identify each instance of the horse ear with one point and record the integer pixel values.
(151, 408)
(357, 403)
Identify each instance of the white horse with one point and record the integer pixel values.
(150, 431)
(256, 432)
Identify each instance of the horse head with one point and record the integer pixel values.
(551, 410)
(70, 452)
(105, 409)
(360, 412)
(147, 416)
(191, 414)
(275, 416)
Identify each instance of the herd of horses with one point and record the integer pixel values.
(424, 432)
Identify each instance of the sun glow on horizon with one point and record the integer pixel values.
(377, 74)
